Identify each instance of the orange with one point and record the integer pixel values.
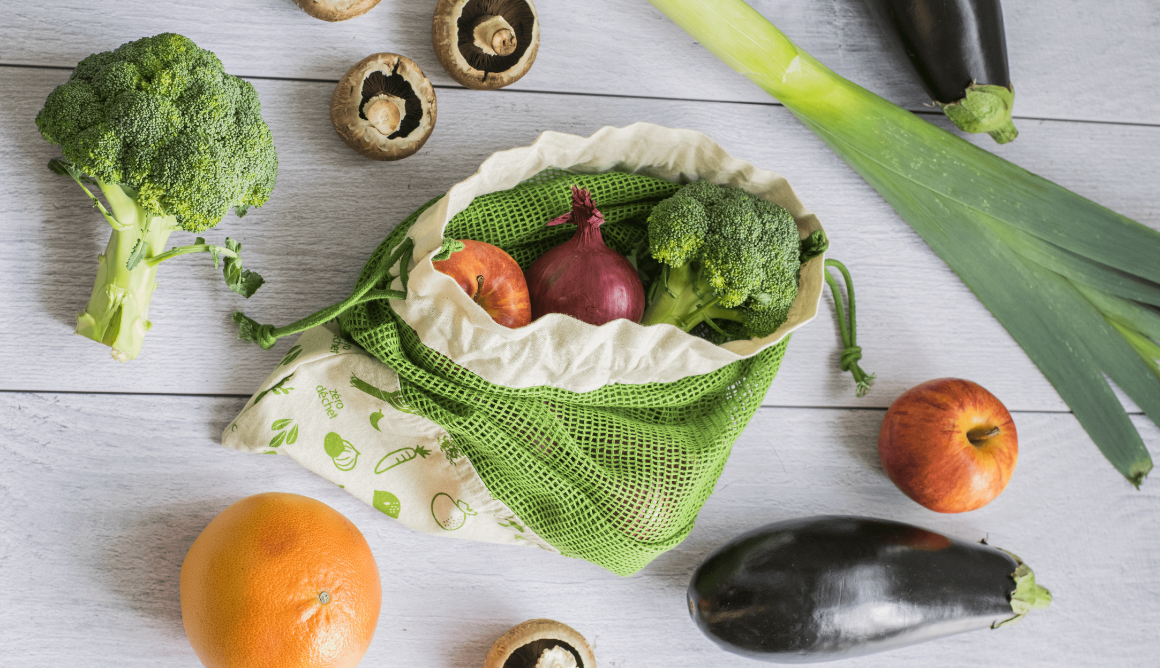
(279, 580)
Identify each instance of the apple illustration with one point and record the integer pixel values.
(948, 444)
(492, 279)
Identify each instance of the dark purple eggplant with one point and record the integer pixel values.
(829, 587)
(959, 49)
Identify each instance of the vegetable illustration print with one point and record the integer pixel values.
(341, 451)
(395, 399)
(375, 417)
(511, 523)
(400, 456)
(386, 503)
(283, 436)
(448, 447)
(291, 355)
(448, 513)
(276, 388)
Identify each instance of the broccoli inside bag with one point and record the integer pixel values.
(600, 442)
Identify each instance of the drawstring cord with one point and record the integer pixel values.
(851, 352)
(267, 335)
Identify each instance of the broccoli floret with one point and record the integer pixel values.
(174, 143)
(731, 261)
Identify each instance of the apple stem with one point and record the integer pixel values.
(978, 436)
(478, 288)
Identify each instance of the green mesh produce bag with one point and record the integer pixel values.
(615, 475)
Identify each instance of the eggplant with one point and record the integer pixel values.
(959, 49)
(831, 587)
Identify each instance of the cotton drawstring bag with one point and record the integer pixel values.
(595, 442)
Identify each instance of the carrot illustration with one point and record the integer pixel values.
(400, 456)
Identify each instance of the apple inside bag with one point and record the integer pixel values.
(339, 412)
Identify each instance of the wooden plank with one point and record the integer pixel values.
(332, 207)
(103, 495)
(1069, 59)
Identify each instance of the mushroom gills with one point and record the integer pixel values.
(378, 89)
(529, 655)
(483, 20)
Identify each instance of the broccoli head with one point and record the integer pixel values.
(731, 262)
(162, 117)
(174, 143)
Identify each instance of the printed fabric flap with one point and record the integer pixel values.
(337, 410)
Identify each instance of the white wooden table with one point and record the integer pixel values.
(108, 471)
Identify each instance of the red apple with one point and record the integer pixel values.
(492, 279)
(948, 444)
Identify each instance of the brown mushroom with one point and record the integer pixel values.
(384, 107)
(526, 644)
(336, 10)
(486, 44)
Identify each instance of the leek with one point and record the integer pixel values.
(1073, 282)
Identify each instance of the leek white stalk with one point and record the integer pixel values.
(1073, 282)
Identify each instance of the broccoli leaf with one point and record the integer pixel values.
(242, 281)
(215, 252)
(138, 252)
(814, 245)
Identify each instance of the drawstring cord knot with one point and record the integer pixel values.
(850, 357)
(851, 351)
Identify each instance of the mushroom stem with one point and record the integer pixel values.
(503, 42)
(541, 642)
(383, 112)
(493, 34)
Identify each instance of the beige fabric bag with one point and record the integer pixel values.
(311, 406)
(561, 351)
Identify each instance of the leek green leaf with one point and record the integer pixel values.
(1068, 278)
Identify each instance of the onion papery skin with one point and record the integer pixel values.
(582, 277)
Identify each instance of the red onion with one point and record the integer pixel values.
(582, 277)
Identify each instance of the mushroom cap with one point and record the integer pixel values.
(336, 10)
(540, 629)
(377, 74)
(453, 39)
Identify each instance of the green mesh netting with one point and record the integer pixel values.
(615, 476)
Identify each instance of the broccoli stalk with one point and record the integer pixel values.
(173, 143)
(730, 260)
(682, 297)
(117, 312)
